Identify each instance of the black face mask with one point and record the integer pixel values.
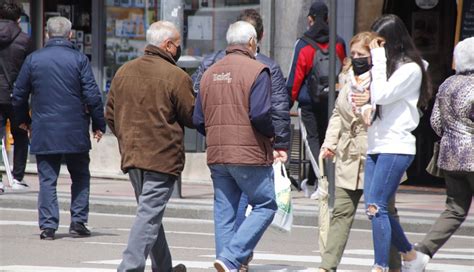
(178, 53)
(360, 65)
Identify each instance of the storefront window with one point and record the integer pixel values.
(126, 24)
(79, 13)
(206, 23)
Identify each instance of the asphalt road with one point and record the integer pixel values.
(192, 243)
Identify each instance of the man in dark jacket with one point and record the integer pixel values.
(233, 110)
(14, 47)
(149, 103)
(64, 97)
(313, 115)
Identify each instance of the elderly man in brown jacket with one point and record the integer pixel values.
(150, 101)
(233, 110)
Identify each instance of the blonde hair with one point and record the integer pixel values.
(364, 38)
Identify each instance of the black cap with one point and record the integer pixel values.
(318, 10)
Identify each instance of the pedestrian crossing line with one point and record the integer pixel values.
(369, 252)
(24, 268)
(171, 247)
(460, 250)
(363, 261)
(188, 264)
(178, 232)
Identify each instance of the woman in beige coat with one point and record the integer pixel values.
(346, 140)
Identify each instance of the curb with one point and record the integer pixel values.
(178, 208)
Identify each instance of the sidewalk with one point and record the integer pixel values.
(418, 207)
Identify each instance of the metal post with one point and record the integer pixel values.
(36, 20)
(332, 85)
(173, 11)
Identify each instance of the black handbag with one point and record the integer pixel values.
(432, 167)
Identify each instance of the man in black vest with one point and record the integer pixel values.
(14, 47)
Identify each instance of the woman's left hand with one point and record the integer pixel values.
(376, 43)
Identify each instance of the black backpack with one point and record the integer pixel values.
(318, 77)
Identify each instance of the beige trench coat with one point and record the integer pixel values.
(346, 135)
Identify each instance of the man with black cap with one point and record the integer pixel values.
(313, 114)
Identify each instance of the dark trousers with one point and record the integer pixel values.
(147, 235)
(20, 137)
(48, 172)
(459, 192)
(315, 119)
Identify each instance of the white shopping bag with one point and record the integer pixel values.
(283, 219)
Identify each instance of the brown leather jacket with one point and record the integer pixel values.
(149, 103)
(225, 92)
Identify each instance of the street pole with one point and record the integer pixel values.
(332, 86)
(172, 11)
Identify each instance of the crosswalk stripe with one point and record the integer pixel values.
(24, 268)
(348, 261)
(369, 252)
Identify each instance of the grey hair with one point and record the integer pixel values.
(240, 33)
(160, 31)
(58, 27)
(464, 55)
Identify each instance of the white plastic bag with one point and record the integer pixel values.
(283, 219)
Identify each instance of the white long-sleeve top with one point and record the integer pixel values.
(398, 98)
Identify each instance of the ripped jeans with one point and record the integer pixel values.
(383, 173)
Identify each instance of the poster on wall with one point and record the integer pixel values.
(200, 28)
(425, 31)
(66, 11)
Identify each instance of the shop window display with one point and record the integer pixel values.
(79, 13)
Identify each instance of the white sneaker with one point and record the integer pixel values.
(315, 194)
(304, 188)
(19, 185)
(2, 188)
(416, 265)
(221, 267)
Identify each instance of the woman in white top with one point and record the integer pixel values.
(400, 86)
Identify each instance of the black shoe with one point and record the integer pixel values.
(78, 228)
(179, 268)
(47, 234)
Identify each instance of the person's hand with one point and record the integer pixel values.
(98, 135)
(360, 99)
(280, 155)
(367, 116)
(24, 126)
(376, 43)
(327, 153)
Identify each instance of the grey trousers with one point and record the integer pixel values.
(345, 207)
(459, 192)
(147, 235)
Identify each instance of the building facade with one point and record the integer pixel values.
(112, 32)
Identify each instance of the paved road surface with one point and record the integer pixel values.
(191, 242)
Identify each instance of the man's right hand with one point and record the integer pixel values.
(280, 155)
(327, 153)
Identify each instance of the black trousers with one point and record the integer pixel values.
(20, 137)
(315, 119)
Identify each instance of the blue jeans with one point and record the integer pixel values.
(383, 173)
(234, 245)
(48, 172)
(241, 210)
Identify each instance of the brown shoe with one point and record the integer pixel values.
(179, 268)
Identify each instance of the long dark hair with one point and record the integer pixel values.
(400, 48)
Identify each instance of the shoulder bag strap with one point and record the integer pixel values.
(2, 63)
